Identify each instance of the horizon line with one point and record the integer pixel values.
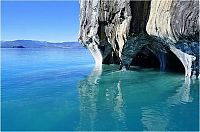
(39, 40)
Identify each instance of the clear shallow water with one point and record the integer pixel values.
(60, 89)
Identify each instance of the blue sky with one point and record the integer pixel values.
(54, 21)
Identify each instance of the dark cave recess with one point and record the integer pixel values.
(150, 60)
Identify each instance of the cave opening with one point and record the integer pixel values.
(173, 63)
(145, 59)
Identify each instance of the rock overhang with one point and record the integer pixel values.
(121, 28)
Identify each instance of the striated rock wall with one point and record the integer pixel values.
(175, 21)
(128, 32)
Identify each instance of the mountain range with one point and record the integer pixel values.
(38, 44)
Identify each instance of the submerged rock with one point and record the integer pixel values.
(121, 31)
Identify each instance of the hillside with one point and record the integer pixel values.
(38, 44)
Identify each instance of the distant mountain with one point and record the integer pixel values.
(38, 44)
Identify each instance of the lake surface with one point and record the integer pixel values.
(61, 89)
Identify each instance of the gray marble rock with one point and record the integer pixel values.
(116, 31)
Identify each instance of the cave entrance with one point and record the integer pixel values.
(145, 59)
(173, 63)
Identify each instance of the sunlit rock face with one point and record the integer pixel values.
(131, 32)
(177, 24)
(105, 24)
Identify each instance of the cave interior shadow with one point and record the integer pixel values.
(146, 59)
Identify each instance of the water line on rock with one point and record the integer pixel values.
(96, 53)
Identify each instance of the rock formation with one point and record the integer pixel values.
(140, 33)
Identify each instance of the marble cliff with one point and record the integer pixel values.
(152, 33)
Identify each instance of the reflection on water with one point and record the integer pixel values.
(118, 108)
(46, 94)
(185, 91)
(182, 94)
(88, 92)
(134, 100)
(153, 119)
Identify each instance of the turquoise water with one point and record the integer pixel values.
(60, 89)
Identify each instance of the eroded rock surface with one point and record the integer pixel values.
(122, 31)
